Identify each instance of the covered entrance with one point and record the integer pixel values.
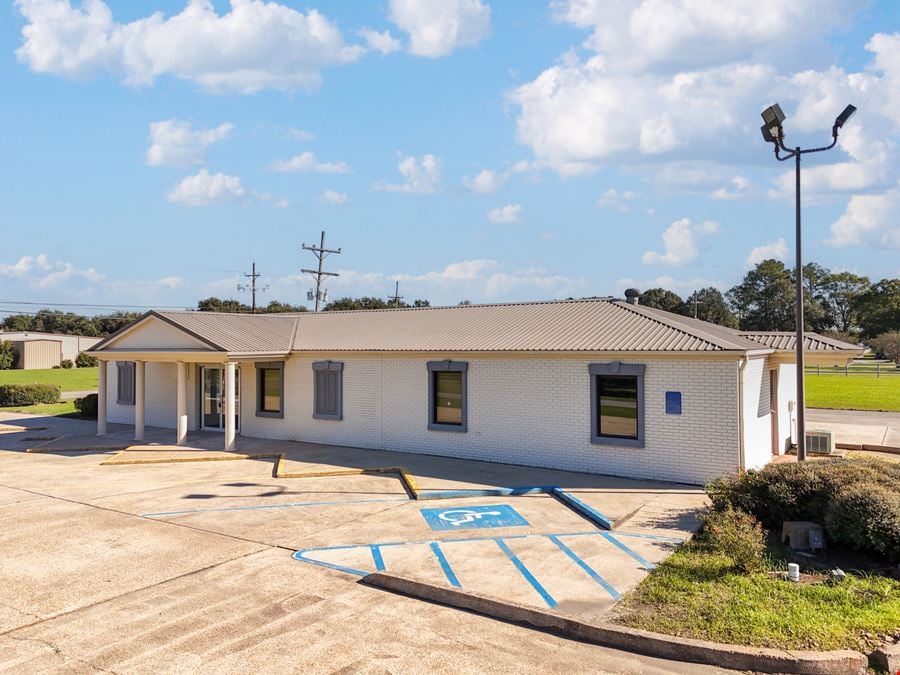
(212, 412)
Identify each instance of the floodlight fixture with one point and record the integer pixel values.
(767, 134)
(841, 119)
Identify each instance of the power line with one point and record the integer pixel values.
(321, 253)
(253, 276)
(84, 304)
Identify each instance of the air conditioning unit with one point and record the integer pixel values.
(819, 441)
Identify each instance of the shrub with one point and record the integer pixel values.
(7, 355)
(887, 345)
(84, 360)
(28, 394)
(821, 491)
(66, 363)
(87, 406)
(738, 535)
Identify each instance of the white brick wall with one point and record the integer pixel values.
(160, 396)
(757, 415)
(787, 395)
(533, 411)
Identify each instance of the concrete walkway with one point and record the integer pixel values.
(858, 429)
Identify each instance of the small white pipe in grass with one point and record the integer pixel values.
(793, 572)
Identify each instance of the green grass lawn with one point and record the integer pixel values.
(853, 392)
(61, 409)
(695, 594)
(73, 379)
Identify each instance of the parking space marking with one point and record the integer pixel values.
(377, 558)
(646, 564)
(162, 514)
(525, 572)
(442, 559)
(591, 572)
(473, 517)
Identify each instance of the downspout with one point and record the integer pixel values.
(741, 365)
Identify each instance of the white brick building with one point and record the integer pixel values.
(594, 385)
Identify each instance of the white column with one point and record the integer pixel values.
(139, 400)
(101, 397)
(229, 405)
(181, 423)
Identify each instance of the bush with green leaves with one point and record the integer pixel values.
(737, 535)
(85, 360)
(28, 394)
(7, 355)
(66, 363)
(826, 492)
(87, 406)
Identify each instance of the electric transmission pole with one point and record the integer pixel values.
(253, 276)
(396, 297)
(321, 253)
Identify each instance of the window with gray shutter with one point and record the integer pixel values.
(447, 395)
(125, 382)
(328, 395)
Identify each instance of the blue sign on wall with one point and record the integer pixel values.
(471, 517)
(673, 403)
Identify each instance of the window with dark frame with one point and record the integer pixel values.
(125, 382)
(328, 403)
(270, 389)
(447, 396)
(617, 404)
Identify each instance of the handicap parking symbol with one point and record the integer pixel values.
(472, 517)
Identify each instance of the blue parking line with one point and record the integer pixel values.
(486, 492)
(270, 506)
(442, 559)
(587, 568)
(376, 556)
(321, 563)
(646, 564)
(584, 509)
(525, 572)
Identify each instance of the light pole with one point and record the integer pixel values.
(773, 132)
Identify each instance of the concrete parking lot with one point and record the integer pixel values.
(202, 565)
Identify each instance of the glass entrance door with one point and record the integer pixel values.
(213, 398)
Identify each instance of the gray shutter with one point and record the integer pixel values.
(125, 382)
(328, 395)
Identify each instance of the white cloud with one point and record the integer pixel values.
(485, 182)
(680, 241)
(776, 249)
(40, 271)
(740, 187)
(256, 45)
(334, 198)
(422, 176)
(511, 213)
(170, 282)
(307, 161)
(437, 27)
(204, 188)
(300, 135)
(611, 198)
(175, 143)
(871, 220)
(382, 42)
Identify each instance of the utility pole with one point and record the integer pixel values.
(396, 297)
(321, 253)
(253, 276)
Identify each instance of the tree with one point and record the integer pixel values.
(366, 302)
(878, 309)
(214, 304)
(764, 300)
(660, 298)
(418, 302)
(110, 323)
(7, 355)
(842, 291)
(17, 322)
(888, 346)
(711, 306)
(275, 307)
(815, 305)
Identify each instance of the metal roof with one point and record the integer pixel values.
(812, 342)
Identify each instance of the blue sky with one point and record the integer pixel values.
(473, 149)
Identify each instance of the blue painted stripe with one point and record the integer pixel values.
(299, 555)
(442, 559)
(486, 492)
(646, 564)
(587, 568)
(584, 509)
(270, 506)
(376, 556)
(525, 572)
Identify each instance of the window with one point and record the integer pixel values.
(328, 401)
(617, 404)
(270, 389)
(447, 395)
(125, 382)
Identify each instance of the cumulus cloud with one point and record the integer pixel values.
(204, 188)
(307, 161)
(612, 198)
(382, 42)
(39, 271)
(680, 242)
(421, 175)
(511, 213)
(485, 182)
(776, 249)
(739, 188)
(334, 198)
(255, 45)
(300, 135)
(869, 219)
(437, 27)
(176, 143)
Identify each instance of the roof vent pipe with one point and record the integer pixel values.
(632, 295)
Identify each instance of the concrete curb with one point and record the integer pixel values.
(868, 447)
(842, 662)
